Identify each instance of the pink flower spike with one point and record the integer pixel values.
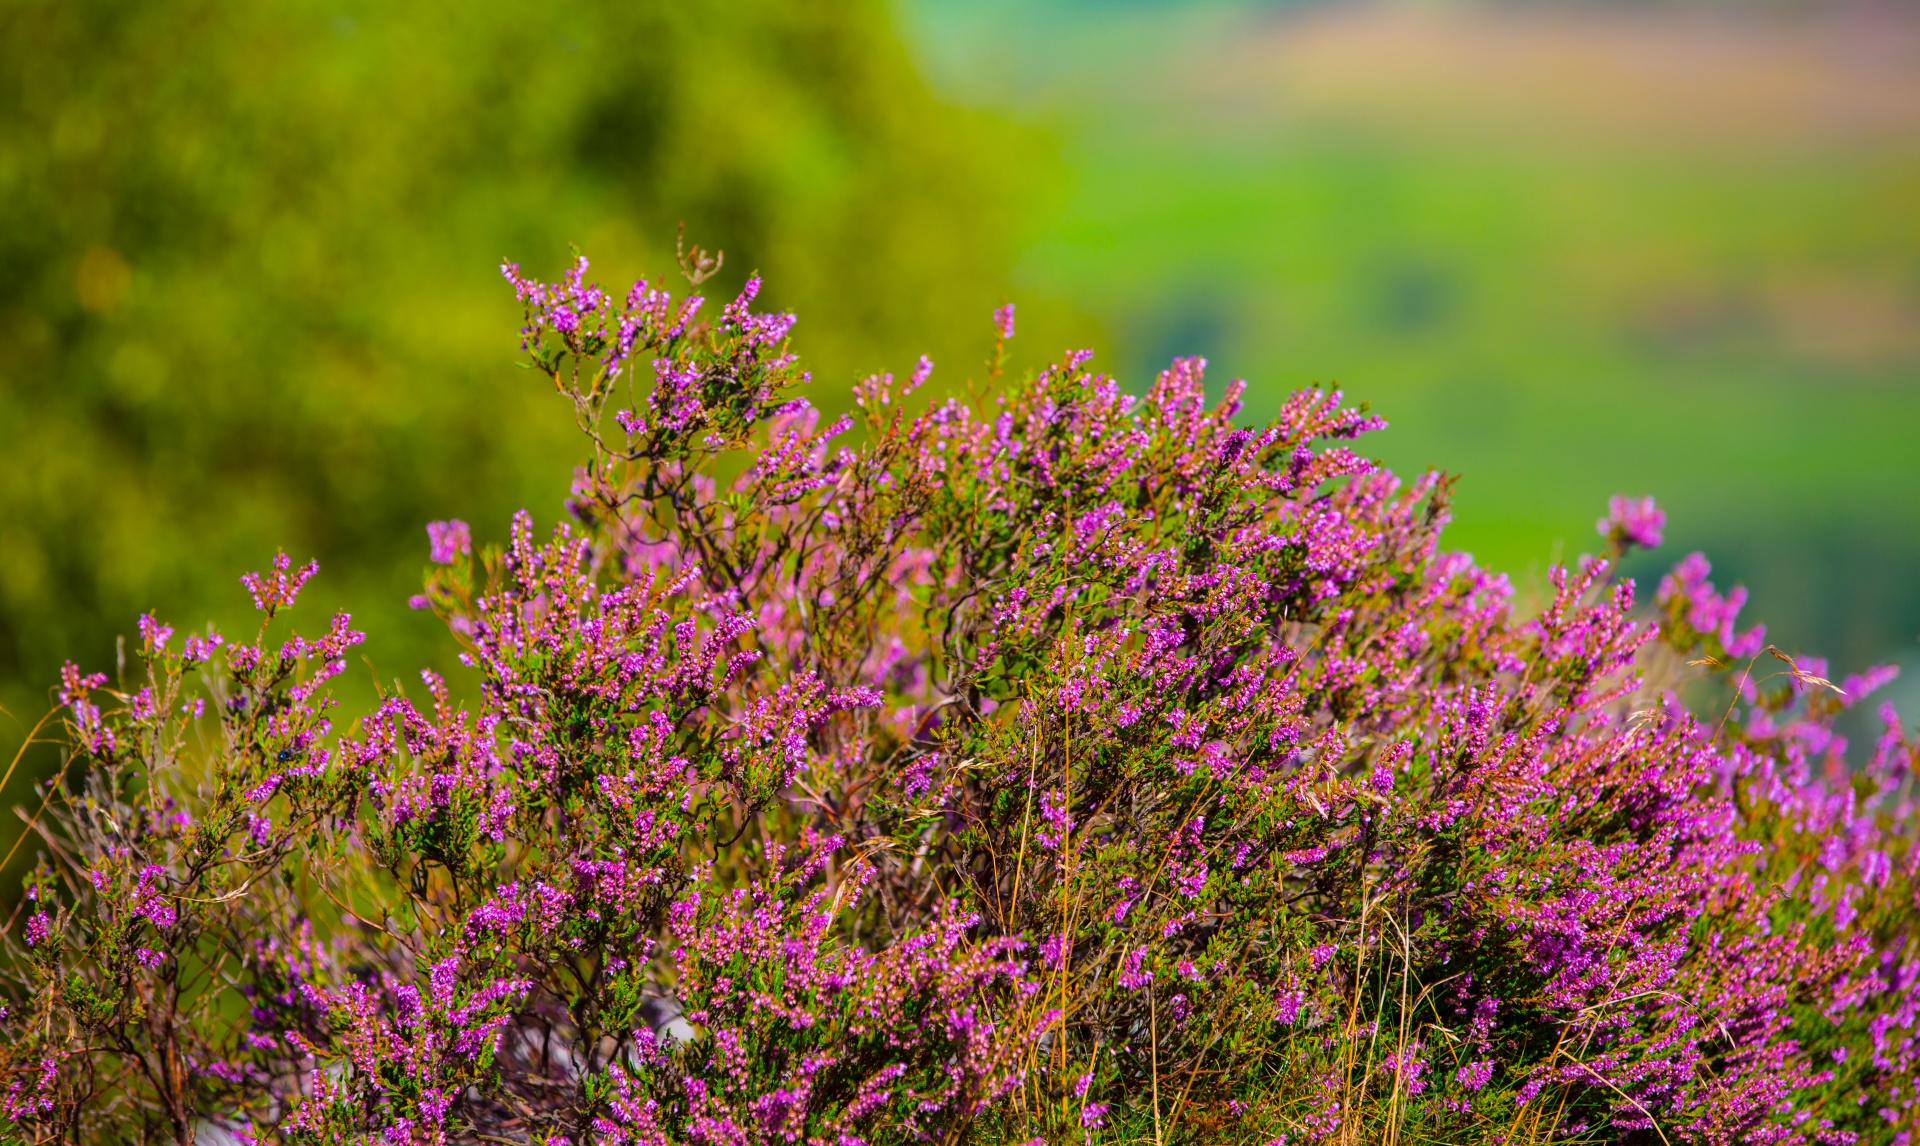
(921, 371)
(448, 540)
(1633, 521)
(278, 589)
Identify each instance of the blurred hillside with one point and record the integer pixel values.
(251, 296)
(1567, 249)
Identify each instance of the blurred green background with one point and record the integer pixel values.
(251, 299)
(1569, 250)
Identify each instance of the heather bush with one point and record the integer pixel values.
(1063, 766)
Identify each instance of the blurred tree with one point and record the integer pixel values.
(251, 296)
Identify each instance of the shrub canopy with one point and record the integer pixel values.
(1061, 766)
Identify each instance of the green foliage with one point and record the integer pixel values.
(251, 297)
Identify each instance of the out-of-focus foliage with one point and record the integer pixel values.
(217, 219)
(1574, 247)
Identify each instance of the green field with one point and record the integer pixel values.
(1566, 254)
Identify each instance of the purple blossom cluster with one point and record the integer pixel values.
(1073, 767)
(1633, 521)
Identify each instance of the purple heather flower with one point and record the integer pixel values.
(1003, 320)
(1859, 686)
(448, 541)
(278, 589)
(1633, 520)
(1058, 817)
(153, 633)
(200, 649)
(1287, 1006)
(1475, 1074)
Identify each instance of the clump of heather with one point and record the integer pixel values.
(1076, 767)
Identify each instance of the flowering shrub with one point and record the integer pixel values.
(1076, 768)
